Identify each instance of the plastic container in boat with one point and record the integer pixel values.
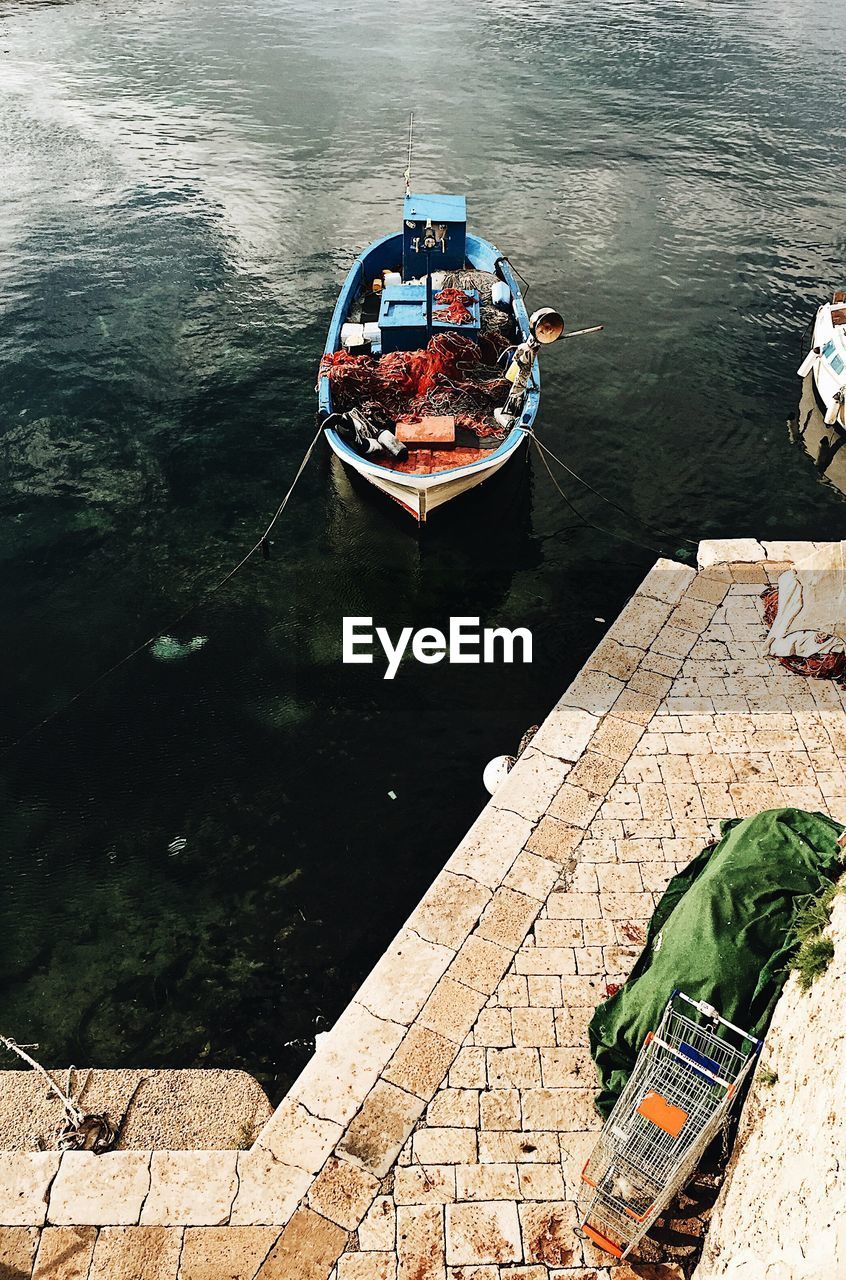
(352, 335)
(438, 278)
(501, 295)
(372, 333)
(391, 277)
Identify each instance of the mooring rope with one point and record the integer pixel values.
(261, 545)
(81, 1131)
(630, 515)
(262, 542)
(611, 533)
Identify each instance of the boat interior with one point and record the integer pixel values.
(420, 344)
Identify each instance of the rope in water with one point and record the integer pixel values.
(260, 545)
(583, 519)
(611, 503)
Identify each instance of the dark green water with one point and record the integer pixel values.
(184, 186)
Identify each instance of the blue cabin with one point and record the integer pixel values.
(448, 216)
(402, 311)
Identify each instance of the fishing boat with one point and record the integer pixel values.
(826, 360)
(429, 380)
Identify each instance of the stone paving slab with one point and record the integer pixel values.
(192, 1109)
(439, 1131)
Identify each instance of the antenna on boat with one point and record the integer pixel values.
(407, 174)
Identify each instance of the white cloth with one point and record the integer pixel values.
(811, 617)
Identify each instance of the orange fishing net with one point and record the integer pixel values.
(453, 306)
(452, 375)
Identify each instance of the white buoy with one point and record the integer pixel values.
(501, 295)
(496, 771)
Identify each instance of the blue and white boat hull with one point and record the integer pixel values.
(420, 494)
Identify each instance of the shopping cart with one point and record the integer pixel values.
(674, 1104)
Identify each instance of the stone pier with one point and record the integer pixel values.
(439, 1130)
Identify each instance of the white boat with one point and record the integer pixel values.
(826, 360)
(432, 292)
(824, 442)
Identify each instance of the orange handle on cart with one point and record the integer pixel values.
(604, 1243)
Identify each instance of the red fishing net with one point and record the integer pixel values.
(453, 306)
(452, 376)
(822, 666)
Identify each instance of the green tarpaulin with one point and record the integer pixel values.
(722, 932)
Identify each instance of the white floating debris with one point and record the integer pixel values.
(169, 649)
(177, 845)
(392, 795)
(599, 619)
